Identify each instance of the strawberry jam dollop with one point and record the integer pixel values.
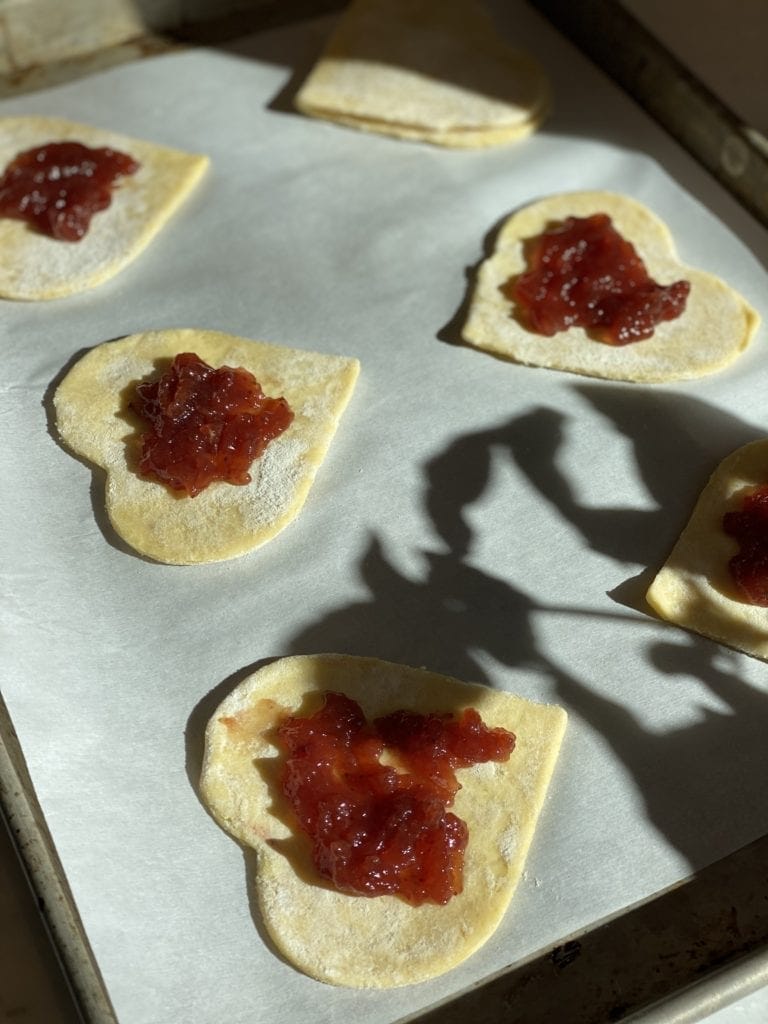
(582, 273)
(205, 424)
(749, 526)
(58, 187)
(373, 797)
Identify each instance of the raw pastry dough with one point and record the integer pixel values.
(35, 266)
(225, 520)
(716, 326)
(694, 588)
(429, 70)
(377, 942)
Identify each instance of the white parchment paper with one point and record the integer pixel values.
(491, 521)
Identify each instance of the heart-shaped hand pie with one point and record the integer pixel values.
(426, 70)
(696, 588)
(224, 520)
(715, 326)
(37, 266)
(375, 941)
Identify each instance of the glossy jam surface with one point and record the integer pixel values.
(58, 187)
(749, 526)
(375, 828)
(205, 424)
(582, 273)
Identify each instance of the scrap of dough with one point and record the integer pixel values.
(382, 941)
(716, 326)
(225, 520)
(694, 588)
(427, 70)
(36, 266)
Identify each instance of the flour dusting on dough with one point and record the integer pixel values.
(225, 520)
(37, 267)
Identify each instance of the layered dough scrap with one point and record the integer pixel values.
(36, 267)
(376, 942)
(225, 520)
(694, 588)
(426, 70)
(716, 326)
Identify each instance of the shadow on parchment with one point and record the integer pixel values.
(445, 611)
(690, 777)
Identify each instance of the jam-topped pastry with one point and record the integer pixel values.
(242, 425)
(591, 283)
(391, 810)
(715, 579)
(78, 203)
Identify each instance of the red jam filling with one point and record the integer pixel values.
(58, 187)
(582, 273)
(205, 424)
(375, 828)
(749, 526)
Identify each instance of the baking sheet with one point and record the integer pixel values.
(675, 89)
(491, 521)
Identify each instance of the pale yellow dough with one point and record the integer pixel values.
(426, 70)
(716, 326)
(224, 520)
(378, 942)
(694, 588)
(35, 266)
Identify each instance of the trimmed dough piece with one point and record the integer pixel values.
(716, 326)
(35, 266)
(694, 588)
(427, 70)
(382, 941)
(224, 520)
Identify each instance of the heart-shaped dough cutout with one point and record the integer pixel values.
(224, 520)
(694, 588)
(381, 941)
(427, 70)
(715, 327)
(36, 266)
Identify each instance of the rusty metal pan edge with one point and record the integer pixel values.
(735, 153)
(37, 851)
(671, 959)
(721, 989)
